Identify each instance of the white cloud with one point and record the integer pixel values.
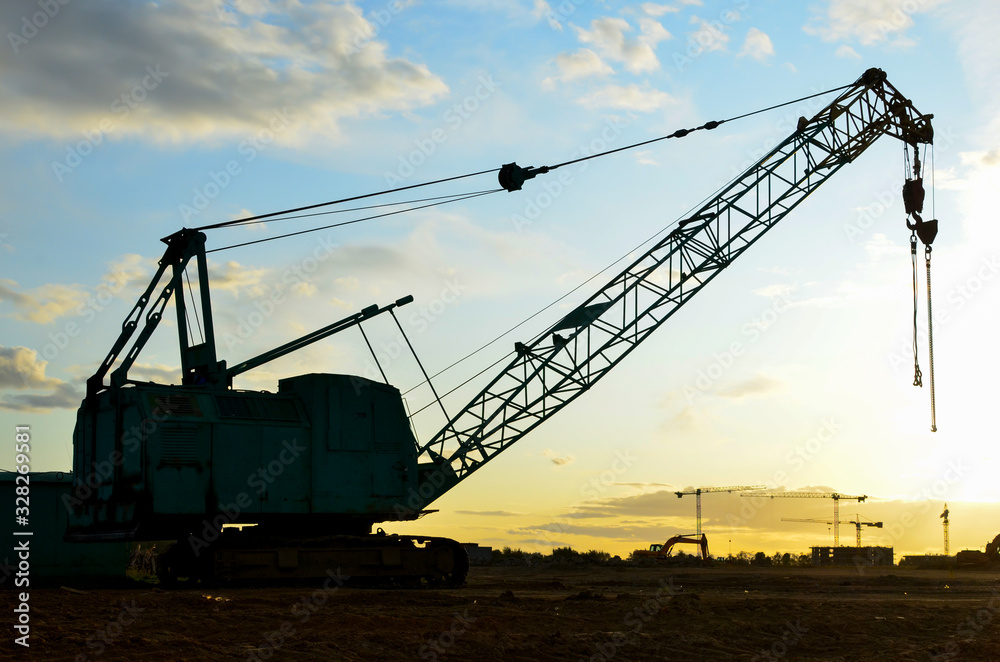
(43, 304)
(541, 10)
(846, 51)
(556, 459)
(645, 157)
(235, 278)
(608, 35)
(755, 386)
(880, 246)
(869, 21)
(582, 64)
(155, 372)
(757, 45)
(187, 70)
(653, 9)
(631, 97)
(775, 290)
(21, 369)
(708, 36)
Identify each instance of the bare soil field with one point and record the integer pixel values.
(568, 613)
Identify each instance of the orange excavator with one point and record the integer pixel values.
(658, 551)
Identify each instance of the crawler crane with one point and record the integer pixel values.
(176, 462)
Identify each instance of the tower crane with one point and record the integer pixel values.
(856, 522)
(180, 461)
(944, 516)
(816, 495)
(697, 492)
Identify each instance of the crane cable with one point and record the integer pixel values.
(440, 200)
(542, 310)
(260, 217)
(930, 316)
(913, 201)
(527, 173)
(451, 198)
(918, 379)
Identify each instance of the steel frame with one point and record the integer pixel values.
(551, 371)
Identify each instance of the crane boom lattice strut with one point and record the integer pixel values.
(554, 369)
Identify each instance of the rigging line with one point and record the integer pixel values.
(680, 133)
(933, 189)
(388, 204)
(489, 367)
(677, 134)
(335, 202)
(187, 277)
(651, 238)
(531, 317)
(357, 220)
(690, 211)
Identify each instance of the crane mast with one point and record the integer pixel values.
(836, 496)
(556, 367)
(697, 492)
(856, 522)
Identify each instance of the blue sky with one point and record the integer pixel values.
(123, 122)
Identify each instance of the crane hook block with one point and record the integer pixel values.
(513, 176)
(913, 196)
(926, 230)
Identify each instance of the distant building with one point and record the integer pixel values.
(478, 555)
(852, 556)
(928, 561)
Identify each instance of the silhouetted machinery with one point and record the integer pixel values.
(319, 463)
(657, 551)
(991, 557)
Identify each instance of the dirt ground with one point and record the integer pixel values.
(543, 613)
